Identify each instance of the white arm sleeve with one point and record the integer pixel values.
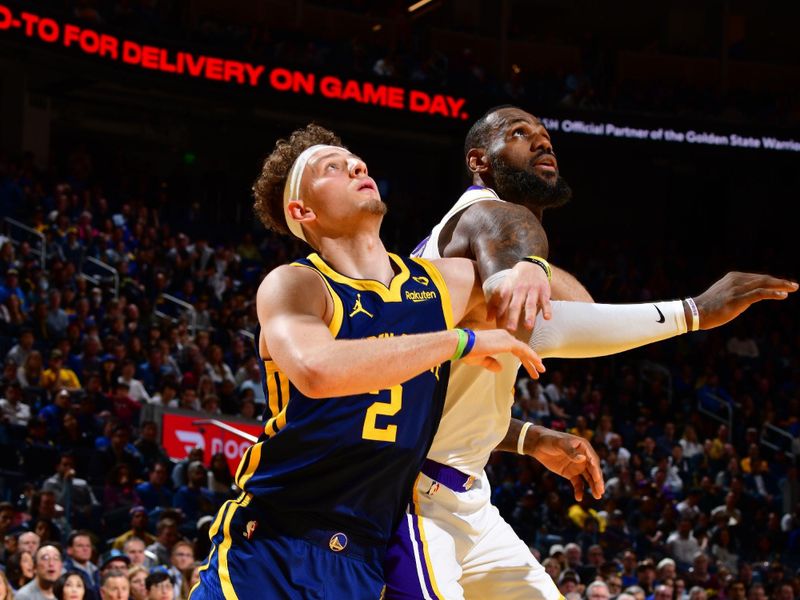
(584, 330)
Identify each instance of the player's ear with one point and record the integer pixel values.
(477, 160)
(300, 212)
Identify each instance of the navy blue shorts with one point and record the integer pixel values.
(250, 559)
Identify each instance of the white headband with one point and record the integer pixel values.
(291, 191)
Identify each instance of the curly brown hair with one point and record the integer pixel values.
(268, 187)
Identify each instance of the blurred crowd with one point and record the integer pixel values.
(696, 506)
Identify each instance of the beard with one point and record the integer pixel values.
(376, 207)
(528, 188)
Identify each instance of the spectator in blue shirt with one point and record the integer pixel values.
(155, 493)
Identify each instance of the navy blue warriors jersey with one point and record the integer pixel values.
(348, 463)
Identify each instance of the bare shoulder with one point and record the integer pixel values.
(461, 278)
(292, 289)
(456, 271)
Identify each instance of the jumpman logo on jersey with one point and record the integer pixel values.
(357, 308)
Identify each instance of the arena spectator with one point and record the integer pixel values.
(220, 478)
(119, 494)
(114, 585)
(136, 578)
(71, 492)
(179, 471)
(29, 542)
(70, 586)
(194, 498)
(118, 451)
(124, 408)
(167, 392)
(57, 376)
(31, 373)
(682, 544)
(598, 590)
(134, 548)
(80, 552)
(21, 350)
(166, 537)
(182, 563)
(13, 410)
(569, 582)
(47, 566)
(20, 568)
(160, 586)
(139, 523)
(136, 389)
(147, 444)
(155, 493)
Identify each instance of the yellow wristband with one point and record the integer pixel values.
(538, 260)
(463, 338)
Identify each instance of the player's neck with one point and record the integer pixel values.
(360, 256)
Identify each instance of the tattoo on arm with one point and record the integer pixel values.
(502, 233)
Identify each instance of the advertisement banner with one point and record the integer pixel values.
(179, 436)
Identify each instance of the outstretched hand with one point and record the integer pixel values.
(571, 457)
(736, 292)
(520, 294)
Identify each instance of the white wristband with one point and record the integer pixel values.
(521, 441)
(695, 314)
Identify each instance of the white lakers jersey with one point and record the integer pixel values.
(477, 408)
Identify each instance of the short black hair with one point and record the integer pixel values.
(478, 134)
(79, 533)
(157, 576)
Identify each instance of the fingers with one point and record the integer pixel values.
(492, 306)
(491, 364)
(577, 486)
(777, 283)
(593, 472)
(511, 318)
(530, 360)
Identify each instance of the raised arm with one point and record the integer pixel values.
(497, 235)
(584, 330)
(293, 310)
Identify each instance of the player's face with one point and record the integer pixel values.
(522, 141)
(523, 163)
(338, 186)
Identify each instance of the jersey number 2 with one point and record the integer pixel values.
(371, 430)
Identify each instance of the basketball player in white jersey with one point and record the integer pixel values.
(453, 543)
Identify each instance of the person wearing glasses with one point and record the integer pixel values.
(48, 564)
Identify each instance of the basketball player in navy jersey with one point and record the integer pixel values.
(355, 344)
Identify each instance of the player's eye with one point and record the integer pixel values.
(332, 166)
(519, 132)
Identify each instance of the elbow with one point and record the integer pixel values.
(314, 378)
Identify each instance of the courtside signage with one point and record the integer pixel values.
(179, 436)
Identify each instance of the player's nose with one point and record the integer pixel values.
(357, 167)
(541, 143)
